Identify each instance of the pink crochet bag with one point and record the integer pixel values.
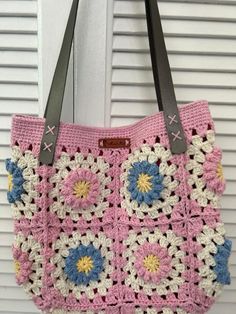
(119, 220)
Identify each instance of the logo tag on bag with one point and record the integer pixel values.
(114, 143)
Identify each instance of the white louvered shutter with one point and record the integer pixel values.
(18, 94)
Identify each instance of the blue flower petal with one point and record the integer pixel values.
(148, 199)
(71, 270)
(10, 197)
(17, 193)
(10, 166)
(156, 195)
(17, 181)
(151, 169)
(139, 198)
(157, 179)
(221, 260)
(134, 194)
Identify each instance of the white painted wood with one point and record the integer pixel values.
(26, 42)
(180, 78)
(27, 59)
(194, 61)
(58, 12)
(18, 94)
(177, 27)
(178, 9)
(18, 8)
(19, 75)
(90, 63)
(177, 45)
(16, 25)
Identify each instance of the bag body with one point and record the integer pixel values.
(119, 230)
(121, 220)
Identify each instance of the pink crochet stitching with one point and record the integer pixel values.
(80, 188)
(125, 230)
(213, 171)
(22, 265)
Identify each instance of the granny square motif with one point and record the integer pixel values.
(129, 230)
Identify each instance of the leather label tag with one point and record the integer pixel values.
(114, 142)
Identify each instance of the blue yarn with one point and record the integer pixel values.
(221, 259)
(82, 278)
(17, 181)
(151, 169)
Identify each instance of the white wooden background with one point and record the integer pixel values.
(201, 42)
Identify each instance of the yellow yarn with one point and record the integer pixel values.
(85, 264)
(17, 266)
(151, 263)
(144, 185)
(10, 182)
(219, 171)
(81, 189)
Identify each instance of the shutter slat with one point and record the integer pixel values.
(185, 94)
(19, 75)
(177, 61)
(18, 8)
(6, 239)
(177, 44)
(12, 293)
(177, 10)
(18, 59)
(131, 26)
(19, 91)
(18, 106)
(23, 307)
(193, 78)
(18, 94)
(141, 109)
(15, 25)
(18, 42)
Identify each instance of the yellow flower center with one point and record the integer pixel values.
(151, 263)
(219, 172)
(143, 183)
(81, 189)
(10, 182)
(17, 266)
(85, 264)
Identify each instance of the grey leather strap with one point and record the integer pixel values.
(53, 109)
(162, 78)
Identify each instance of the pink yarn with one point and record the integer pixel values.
(22, 258)
(55, 235)
(156, 250)
(38, 224)
(69, 184)
(214, 183)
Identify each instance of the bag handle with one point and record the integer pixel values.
(162, 78)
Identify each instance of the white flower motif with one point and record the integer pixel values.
(209, 239)
(197, 151)
(64, 166)
(162, 156)
(34, 250)
(166, 240)
(28, 163)
(62, 247)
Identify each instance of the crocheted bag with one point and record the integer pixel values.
(119, 220)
